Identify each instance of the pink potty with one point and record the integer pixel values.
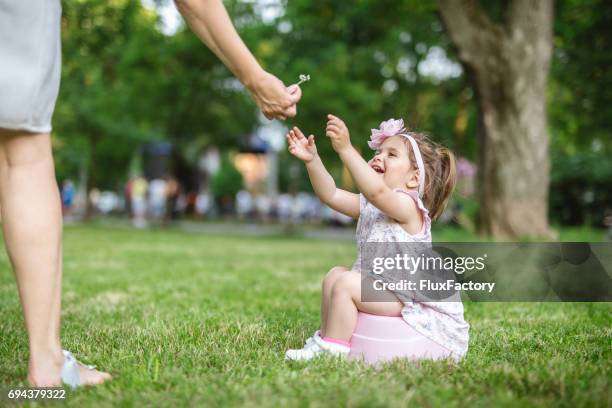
(381, 338)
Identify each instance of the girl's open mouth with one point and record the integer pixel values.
(378, 169)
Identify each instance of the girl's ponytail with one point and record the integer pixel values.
(445, 180)
(440, 173)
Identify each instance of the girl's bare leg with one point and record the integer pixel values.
(326, 291)
(32, 225)
(346, 302)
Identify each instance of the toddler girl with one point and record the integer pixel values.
(403, 187)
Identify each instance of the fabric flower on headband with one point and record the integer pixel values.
(386, 129)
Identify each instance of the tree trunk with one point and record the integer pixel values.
(508, 66)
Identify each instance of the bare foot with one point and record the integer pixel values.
(92, 376)
(46, 373)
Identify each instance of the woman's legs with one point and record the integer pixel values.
(32, 226)
(345, 303)
(326, 291)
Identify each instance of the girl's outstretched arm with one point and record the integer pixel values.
(322, 182)
(396, 205)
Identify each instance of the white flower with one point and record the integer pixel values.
(303, 78)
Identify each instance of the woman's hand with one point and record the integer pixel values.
(210, 21)
(274, 99)
(302, 148)
(337, 131)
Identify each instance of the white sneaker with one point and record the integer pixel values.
(310, 341)
(316, 348)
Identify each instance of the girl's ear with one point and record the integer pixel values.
(413, 180)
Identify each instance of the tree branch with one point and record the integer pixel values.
(472, 32)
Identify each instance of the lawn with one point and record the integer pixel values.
(190, 319)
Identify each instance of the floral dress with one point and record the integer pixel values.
(441, 322)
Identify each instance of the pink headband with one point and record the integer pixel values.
(394, 127)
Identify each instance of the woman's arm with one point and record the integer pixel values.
(322, 182)
(210, 22)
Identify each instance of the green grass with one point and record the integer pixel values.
(565, 234)
(184, 319)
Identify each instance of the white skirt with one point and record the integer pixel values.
(30, 63)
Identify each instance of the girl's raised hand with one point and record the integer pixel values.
(302, 148)
(337, 131)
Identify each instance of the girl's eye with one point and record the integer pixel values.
(391, 154)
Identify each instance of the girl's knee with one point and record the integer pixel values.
(337, 271)
(347, 283)
(333, 275)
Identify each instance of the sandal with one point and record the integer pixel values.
(70, 370)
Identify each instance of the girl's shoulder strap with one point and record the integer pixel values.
(415, 196)
(420, 206)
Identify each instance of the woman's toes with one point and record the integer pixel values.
(93, 377)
